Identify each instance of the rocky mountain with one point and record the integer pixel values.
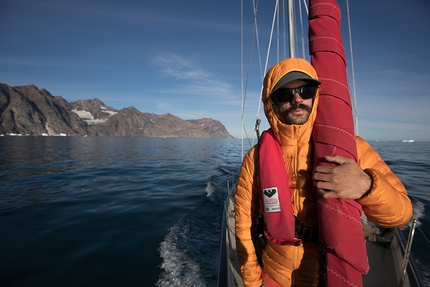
(33, 111)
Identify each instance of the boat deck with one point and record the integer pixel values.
(382, 266)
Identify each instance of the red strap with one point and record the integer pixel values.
(275, 193)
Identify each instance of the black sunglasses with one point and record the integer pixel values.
(287, 94)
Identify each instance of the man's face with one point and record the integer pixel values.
(297, 110)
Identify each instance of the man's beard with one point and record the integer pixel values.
(287, 117)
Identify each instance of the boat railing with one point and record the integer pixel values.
(409, 267)
(407, 252)
(229, 274)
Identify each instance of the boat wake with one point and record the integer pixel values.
(178, 268)
(421, 241)
(190, 250)
(418, 210)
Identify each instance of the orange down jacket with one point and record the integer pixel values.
(387, 203)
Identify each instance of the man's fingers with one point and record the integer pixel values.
(323, 169)
(326, 193)
(337, 159)
(323, 185)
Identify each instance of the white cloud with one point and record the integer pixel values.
(175, 66)
(163, 106)
(194, 81)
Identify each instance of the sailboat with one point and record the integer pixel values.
(388, 251)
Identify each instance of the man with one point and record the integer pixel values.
(290, 97)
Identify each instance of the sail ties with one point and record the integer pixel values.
(334, 133)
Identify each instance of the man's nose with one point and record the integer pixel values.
(297, 98)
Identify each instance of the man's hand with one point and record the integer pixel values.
(344, 180)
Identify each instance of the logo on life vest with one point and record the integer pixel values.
(269, 192)
(271, 199)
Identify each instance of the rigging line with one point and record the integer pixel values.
(271, 36)
(262, 73)
(277, 36)
(268, 49)
(241, 69)
(306, 7)
(255, 38)
(254, 34)
(250, 57)
(302, 26)
(352, 69)
(302, 29)
(260, 66)
(247, 137)
(284, 25)
(419, 229)
(258, 42)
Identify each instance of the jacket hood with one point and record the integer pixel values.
(272, 77)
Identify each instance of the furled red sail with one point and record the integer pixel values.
(340, 228)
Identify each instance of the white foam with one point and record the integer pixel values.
(209, 189)
(418, 209)
(178, 269)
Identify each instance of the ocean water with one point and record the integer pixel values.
(100, 211)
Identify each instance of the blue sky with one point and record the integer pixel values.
(184, 58)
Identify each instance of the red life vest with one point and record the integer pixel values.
(279, 220)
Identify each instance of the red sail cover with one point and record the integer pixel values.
(339, 221)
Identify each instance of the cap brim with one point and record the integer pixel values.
(293, 76)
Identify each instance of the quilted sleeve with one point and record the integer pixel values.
(387, 204)
(247, 208)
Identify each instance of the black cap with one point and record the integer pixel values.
(292, 76)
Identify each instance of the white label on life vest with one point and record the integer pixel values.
(271, 199)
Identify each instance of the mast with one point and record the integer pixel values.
(292, 30)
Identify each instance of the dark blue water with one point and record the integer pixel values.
(84, 211)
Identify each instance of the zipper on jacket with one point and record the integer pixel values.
(296, 154)
(295, 166)
(295, 260)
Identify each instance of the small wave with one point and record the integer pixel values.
(224, 170)
(210, 188)
(216, 189)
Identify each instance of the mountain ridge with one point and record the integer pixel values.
(28, 110)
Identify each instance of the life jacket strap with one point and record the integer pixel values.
(307, 235)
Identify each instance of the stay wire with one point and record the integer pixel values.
(354, 96)
(268, 49)
(254, 34)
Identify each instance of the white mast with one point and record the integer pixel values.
(292, 31)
